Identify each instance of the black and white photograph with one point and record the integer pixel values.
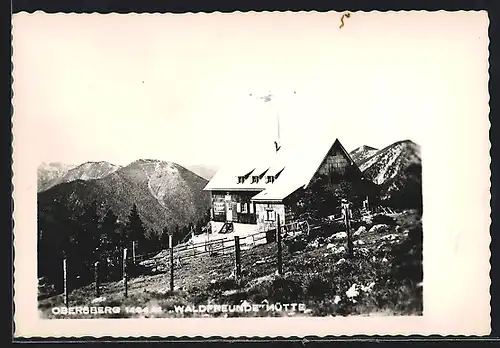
(250, 165)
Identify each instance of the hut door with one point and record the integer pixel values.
(235, 211)
(229, 211)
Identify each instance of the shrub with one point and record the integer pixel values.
(223, 284)
(296, 244)
(137, 270)
(324, 308)
(285, 290)
(383, 219)
(256, 296)
(332, 227)
(198, 296)
(407, 256)
(318, 287)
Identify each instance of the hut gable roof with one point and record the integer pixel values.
(292, 170)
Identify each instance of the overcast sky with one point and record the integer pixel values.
(176, 87)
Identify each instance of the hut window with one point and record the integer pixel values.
(241, 179)
(270, 215)
(251, 208)
(244, 209)
(255, 179)
(238, 207)
(270, 179)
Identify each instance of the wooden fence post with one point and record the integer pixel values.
(65, 281)
(348, 230)
(96, 279)
(125, 271)
(171, 246)
(133, 252)
(278, 240)
(237, 257)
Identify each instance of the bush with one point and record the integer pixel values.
(223, 284)
(326, 229)
(332, 227)
(296, 244)
(136, 270)
(407, 257)
(318, 287)
(383, 219)
(324, 308)
(284, 290)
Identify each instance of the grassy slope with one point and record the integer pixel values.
(314, 273)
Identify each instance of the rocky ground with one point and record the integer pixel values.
(384, 277)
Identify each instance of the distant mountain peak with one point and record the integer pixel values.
(364, 148)
(362, 153)
(98, 162)
(55, 163)
(204, 171)
(388, 163)
(166, 193)
(85, 171)
(148, 160)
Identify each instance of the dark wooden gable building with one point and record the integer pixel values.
(257, 194)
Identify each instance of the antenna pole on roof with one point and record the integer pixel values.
(278, 124)
(269, 98)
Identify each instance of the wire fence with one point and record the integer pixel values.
(129, 264)
(172, 258)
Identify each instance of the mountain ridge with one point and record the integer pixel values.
(48, 172)
(54, 173)
(206, 172)
(166, 194)
(362, 152)
(397, 170)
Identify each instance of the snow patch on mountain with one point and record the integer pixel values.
(390, 161)
(160, 180)
(88, 171)
(47, 173)
(362, 153)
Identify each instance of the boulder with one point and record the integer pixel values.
(379, 228)
(353, 291)
(391, 236)
(339, 235)
(99, 300)
(367, 288)
(360, 230)
(367, 219)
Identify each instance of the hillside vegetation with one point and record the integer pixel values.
(166, 194)
(88, 219)
(383, 278)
